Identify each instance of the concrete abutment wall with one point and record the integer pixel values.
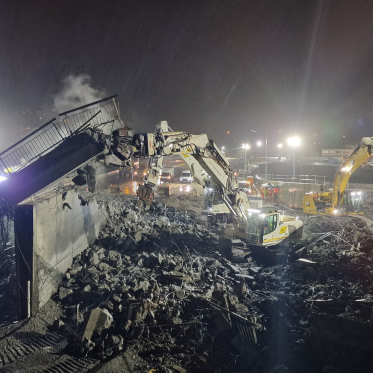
(49, 234)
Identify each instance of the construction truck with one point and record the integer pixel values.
(341, 201)
(210, 168)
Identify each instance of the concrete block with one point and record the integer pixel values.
(63, 293)
(99, 320)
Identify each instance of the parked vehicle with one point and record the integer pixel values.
(186, 177)
(167, 175)
(139, 174)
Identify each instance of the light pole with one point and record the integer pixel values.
(266, 151)
(258, 144)
(279, 147)
(294, 142)
(245, 147)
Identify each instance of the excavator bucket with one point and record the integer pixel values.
(145, 194)
(164, 190)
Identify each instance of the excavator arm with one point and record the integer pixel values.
(204, 159)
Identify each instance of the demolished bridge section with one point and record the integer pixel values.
(52, 224)
(57, 149)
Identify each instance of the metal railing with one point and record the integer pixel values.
(53, 133)
(305, 179)
(98, 116)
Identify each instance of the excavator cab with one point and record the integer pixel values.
(261, 226)
(353, 201)
(268, 227)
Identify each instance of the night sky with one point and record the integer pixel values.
(207, 66)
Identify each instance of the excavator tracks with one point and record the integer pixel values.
(27, 347)
(68, 364)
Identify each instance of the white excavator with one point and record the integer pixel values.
(208, 165)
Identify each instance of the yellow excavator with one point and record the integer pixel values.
(341, 201)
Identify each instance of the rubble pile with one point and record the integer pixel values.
(338, 259)
(323, 297)
(163, 285)
(163, 278)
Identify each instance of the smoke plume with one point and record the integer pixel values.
(76, 91)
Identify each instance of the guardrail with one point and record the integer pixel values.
(53, 133)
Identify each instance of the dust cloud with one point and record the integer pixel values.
(76, 91)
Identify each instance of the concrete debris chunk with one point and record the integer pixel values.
(138, 236)
(255, 270)
(143, 285)
(306, 262)
(247, 277)
(63, 292)
(75, 270)
(132, 216)
(178, 369)
(93, 258)
(104, 267)
(99, 320)
(177, 276)
(232, 268)
(240, 289)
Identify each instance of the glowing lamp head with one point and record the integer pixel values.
(294, 141)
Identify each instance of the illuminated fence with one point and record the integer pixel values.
(305, 179)
(53, 133)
